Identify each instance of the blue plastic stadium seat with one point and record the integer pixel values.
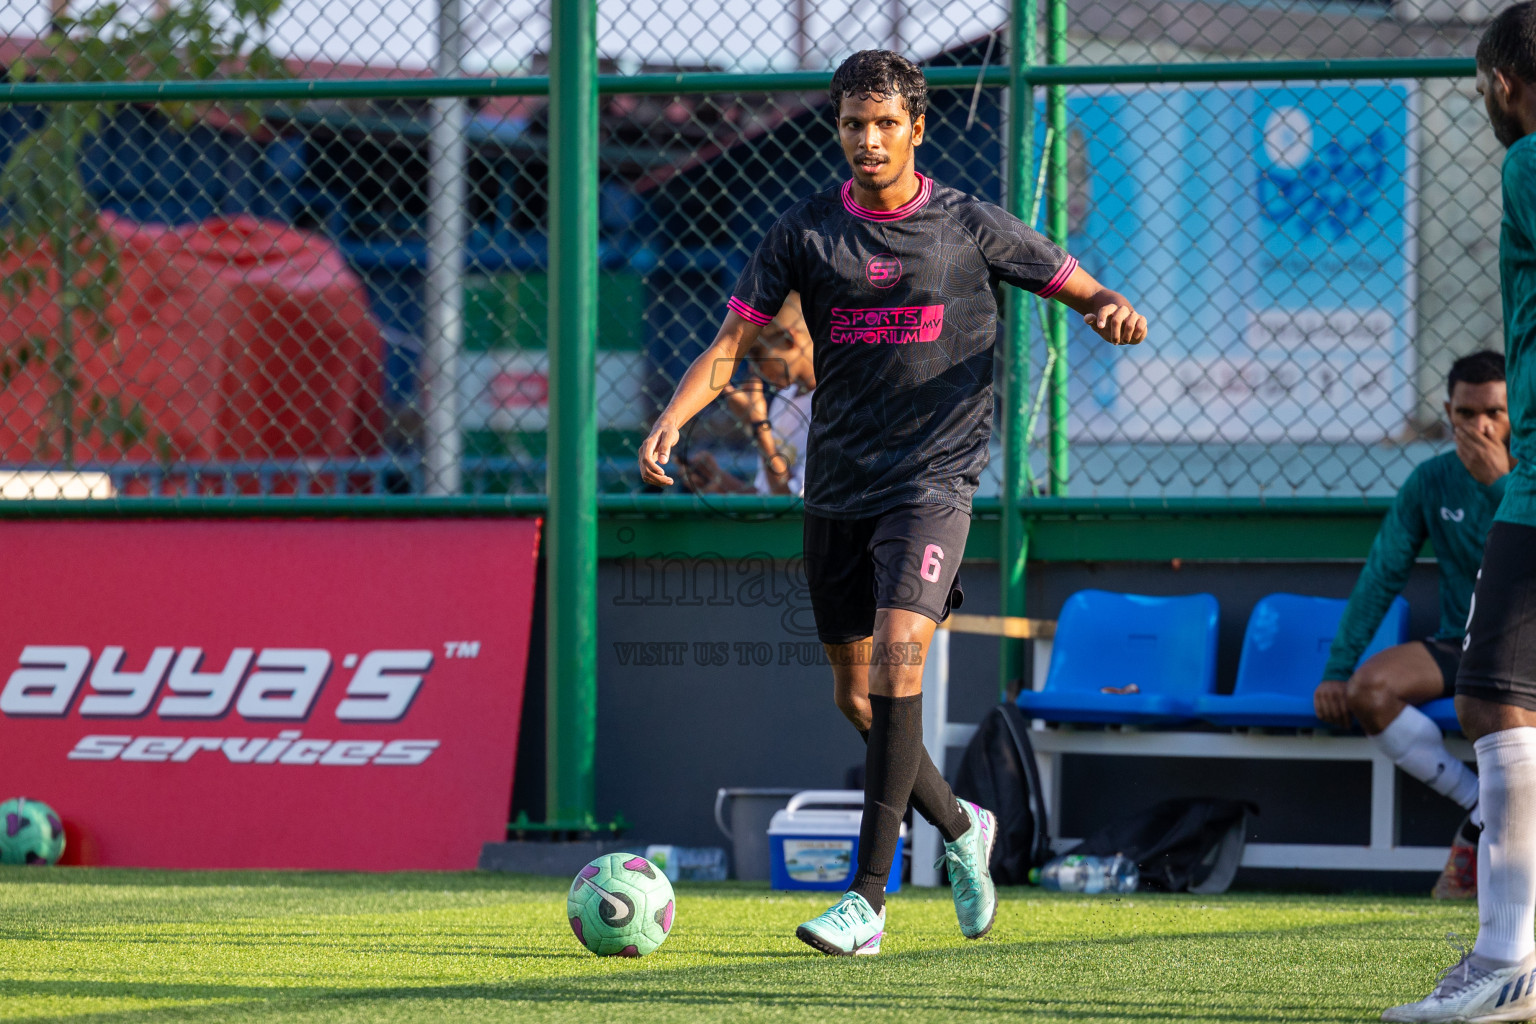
(1165, 646)
(1285, 649)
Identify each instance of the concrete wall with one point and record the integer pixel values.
(674, 724)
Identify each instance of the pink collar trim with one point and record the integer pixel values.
(911, 206)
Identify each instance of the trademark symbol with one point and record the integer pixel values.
(461, 649)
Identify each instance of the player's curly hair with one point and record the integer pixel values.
(1509, 44)
(880, 73)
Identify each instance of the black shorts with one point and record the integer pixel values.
(1447, 655)
(1498, 657)
(908, 558)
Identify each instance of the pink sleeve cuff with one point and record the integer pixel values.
(1056, 283)
(746, 312)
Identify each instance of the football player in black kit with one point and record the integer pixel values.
(899, 279)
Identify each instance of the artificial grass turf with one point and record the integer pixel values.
(130, 946)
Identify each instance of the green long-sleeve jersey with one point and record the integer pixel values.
(1517, 285)
(1442, 503)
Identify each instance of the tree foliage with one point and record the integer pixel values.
(51, 220)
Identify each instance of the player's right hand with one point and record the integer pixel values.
(655, 452)
(1485, 456)
(1330, 702)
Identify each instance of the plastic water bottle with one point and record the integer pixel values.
(1090, 875)
(688, 863)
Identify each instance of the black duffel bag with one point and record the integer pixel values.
(1191, 845)
(999, 772)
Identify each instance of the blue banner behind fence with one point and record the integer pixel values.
(1269, 235)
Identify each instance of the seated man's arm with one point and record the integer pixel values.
(1397, 544)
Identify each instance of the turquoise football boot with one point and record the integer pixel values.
(850, 927)
(967, 860)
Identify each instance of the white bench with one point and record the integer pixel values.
(1383, 853)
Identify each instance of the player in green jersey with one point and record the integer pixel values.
(1448, 500)
(1496, 683)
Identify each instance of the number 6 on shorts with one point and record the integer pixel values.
(932, 555)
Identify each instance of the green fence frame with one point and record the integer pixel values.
(584, 526)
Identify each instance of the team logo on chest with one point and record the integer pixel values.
(883, 270)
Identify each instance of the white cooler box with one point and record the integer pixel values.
(814, 842)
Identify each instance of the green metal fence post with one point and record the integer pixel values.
(1056, 228)
(572, 524)
(1020, 142)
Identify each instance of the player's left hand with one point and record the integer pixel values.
(1118, 324)
(1485, 456)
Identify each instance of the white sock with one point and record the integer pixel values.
(1414, 744)
(1506, 853)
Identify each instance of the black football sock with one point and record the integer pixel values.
(1469, 832)
(934, 800)
(890, 769)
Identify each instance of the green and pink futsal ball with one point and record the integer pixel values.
(621, 905)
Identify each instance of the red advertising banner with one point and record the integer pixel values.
(337, 695)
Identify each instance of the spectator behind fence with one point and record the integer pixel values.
(1449, 500)
(780, 422)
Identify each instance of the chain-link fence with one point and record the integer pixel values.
(257, 297)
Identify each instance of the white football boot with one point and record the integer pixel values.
(1473, 991)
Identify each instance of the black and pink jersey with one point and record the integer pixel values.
(903, 307)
